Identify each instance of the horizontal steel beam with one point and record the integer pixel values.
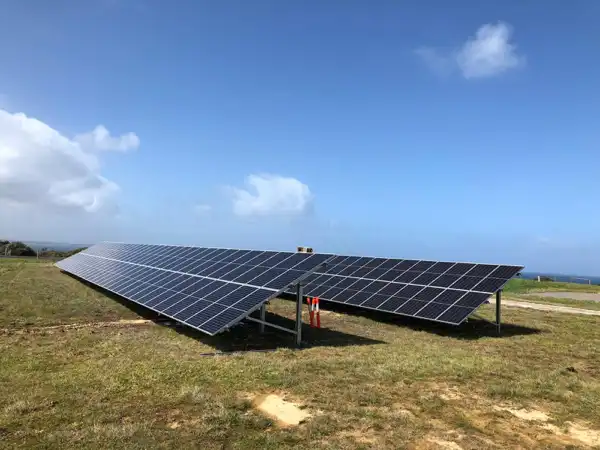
(272, 325)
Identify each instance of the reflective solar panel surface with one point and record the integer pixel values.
(440, 291)
(208, 289)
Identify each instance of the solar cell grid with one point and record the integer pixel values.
(433, 290)
(220, 286)
(205, 287)
(143, 289)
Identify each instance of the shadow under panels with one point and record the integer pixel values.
(208, 289)
(445, 292)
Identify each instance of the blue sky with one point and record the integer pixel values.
(405, 129)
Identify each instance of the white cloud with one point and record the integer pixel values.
(489, 53)
(273, 195)
(100, 139)
(42, 169)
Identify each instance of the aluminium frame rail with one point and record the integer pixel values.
(297, 330)
(498, 322)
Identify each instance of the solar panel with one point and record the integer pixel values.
(433, 290)
(209, 289)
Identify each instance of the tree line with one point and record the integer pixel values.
(17, 248)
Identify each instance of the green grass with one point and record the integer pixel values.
(370, 381)
(33, 294)
(573, 303)
(521, 286)
(525, 290)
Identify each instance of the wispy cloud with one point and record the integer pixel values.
(487, 54)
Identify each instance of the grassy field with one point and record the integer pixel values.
(573, 303)
(525, 290)
(369, 381)
(521, 286)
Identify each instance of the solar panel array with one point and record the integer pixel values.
(440, 291)
(211, 289)
(208, 289)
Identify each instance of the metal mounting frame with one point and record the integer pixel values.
(498, 312)
(498, 322)
(297, 331)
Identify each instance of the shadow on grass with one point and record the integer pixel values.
(245, 336)
(472, 329)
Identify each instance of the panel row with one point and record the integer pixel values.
(195, 259)
(393, 269)
(207, 305)
(443, 305)
(271, 278)
(464, 282)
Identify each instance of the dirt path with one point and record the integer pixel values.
(75, 326)
(588, 296)
(545, 307)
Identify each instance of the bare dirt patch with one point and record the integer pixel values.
(445, 445)
(75, 326)
(574, 431)
(445, 441)
(284, 412)
(584, 434)
(577, 432)
(524, 414)
(587, 296)
(545, 307)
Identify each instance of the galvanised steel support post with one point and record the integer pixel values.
(498, 315)
(299, 297)
(263, 316)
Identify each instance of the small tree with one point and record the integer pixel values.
(20, 249)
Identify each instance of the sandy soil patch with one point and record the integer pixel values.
(578, 432)
(284, 412)
(584, 434)
(445, 445)
(524, 414)
(575, 431)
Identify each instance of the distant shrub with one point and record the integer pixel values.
(18, 249)
(46, 253)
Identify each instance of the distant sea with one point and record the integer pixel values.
(582, 279)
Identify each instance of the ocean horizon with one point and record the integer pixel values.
(567, 278)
